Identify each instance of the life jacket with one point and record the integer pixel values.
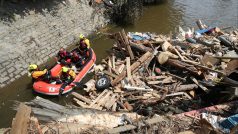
(38, 74)
(68, 75)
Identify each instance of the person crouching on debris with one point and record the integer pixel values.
(37, 74)
(77, 59)
(67, 76)
(64, 57)
(84, 46)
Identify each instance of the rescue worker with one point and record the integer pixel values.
(67, 76)
(84, 46)
(64, 57)
(37, 74)
(77, 59)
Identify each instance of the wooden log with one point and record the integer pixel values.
(128, 47)
(133, 67)
(80, 97)
(184, 66)
(22, 119)
(140, 48)
(186, 87)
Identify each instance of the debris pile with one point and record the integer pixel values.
(152, 74)
(153, 83)
(42, 116)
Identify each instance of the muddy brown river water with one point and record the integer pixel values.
(161, 18)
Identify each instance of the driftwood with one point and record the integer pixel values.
(134, 66)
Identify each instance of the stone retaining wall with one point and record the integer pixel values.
(38, 36)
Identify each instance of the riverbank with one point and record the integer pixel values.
(35, 36)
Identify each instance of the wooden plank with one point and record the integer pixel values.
(80, 103)
(113, 62)
(120, 68)
(128, 47)
(80, 97)
(111, 102)
(114, 107)
(128, 68)
(138, 88)
(102, 101)
(22, 118)
(98, 98)
(134, 66)
(109, 65)
(200, 85)
(110, 74)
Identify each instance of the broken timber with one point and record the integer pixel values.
(134, 66)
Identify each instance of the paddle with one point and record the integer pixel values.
(76, 84)
(79, 85)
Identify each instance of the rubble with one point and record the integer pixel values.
(156, 74)
(163, 82)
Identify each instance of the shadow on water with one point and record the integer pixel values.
(9, 8)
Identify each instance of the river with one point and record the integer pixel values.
(161, 18)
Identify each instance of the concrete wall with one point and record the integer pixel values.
(36, 37)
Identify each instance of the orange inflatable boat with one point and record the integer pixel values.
(53, 89)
